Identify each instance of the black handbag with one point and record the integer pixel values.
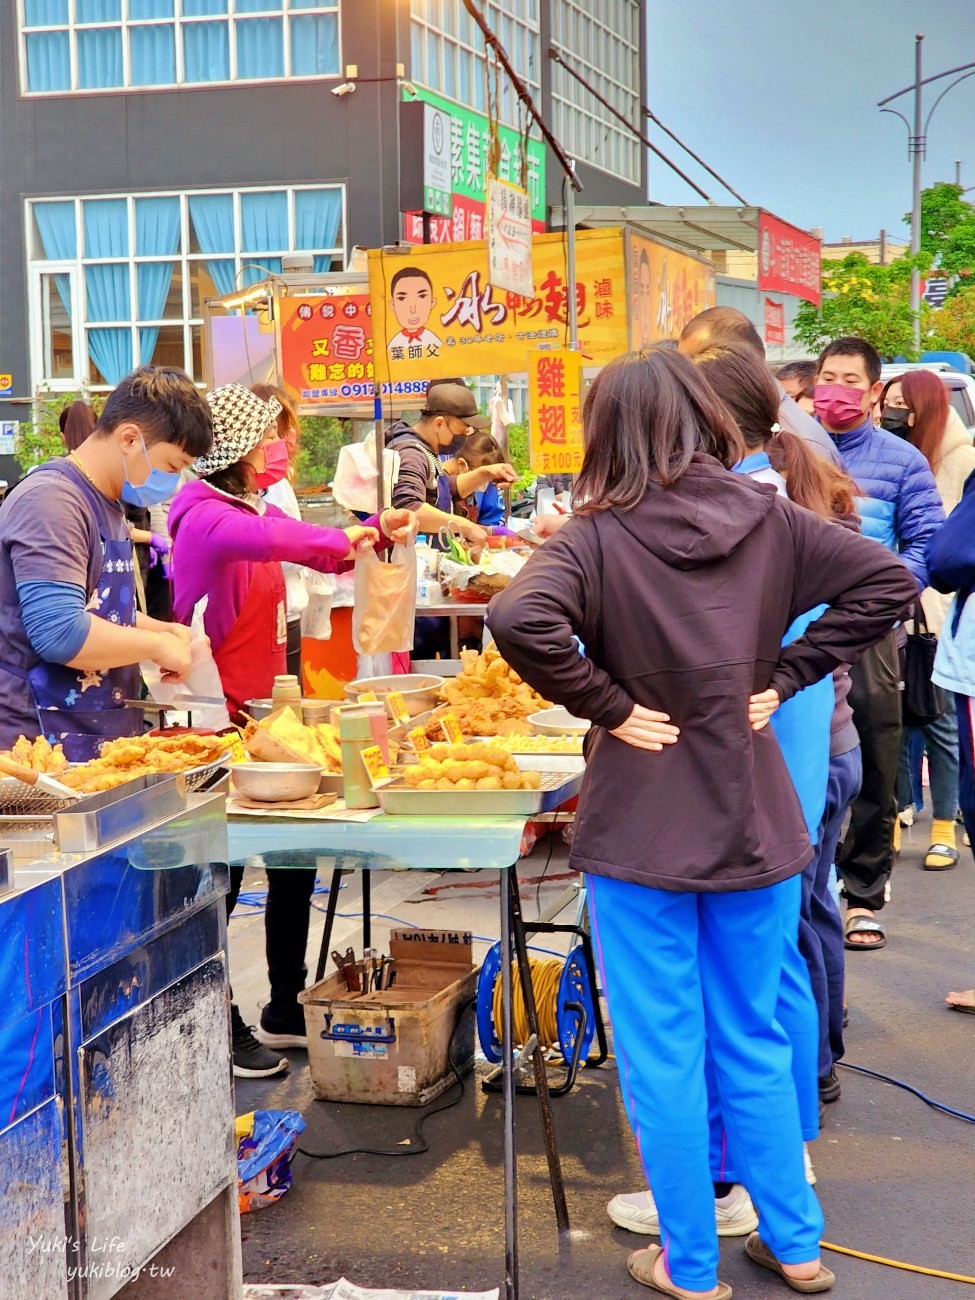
(921, 701)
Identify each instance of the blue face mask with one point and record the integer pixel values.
(158, 487)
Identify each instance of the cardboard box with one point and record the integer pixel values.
(391, 1047)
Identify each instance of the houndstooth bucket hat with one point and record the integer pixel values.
(240, 421)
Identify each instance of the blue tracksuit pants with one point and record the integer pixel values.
(685, 974)
(820, 923)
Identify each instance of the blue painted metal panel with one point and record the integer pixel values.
(32, 966)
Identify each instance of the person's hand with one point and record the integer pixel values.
(473, 532)
(401, 526)
(761, 707)
(501, 473)
(549, 525)
(360, 536)
(647, 729)
(174, 657)
(178, 630)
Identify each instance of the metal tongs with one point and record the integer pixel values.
(42, 780)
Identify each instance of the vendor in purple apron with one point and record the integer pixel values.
(71, 639)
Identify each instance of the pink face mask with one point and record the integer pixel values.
(275, 464)
(838, 406)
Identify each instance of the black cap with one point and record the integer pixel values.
(456, 400)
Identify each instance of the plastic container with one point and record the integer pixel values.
(357, 732)
(286, 692)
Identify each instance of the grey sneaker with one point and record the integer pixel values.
(637, 1212)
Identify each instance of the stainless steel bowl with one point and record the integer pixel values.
(276, 782)
(558, 722)
(420, 691)
(313, 710)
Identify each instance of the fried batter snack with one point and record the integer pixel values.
(293, 740)
(39, 755)
(469, 767)
(488, 698)
(134, 756)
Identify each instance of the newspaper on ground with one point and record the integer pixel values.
(343, 1289)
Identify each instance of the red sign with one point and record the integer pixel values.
(467, 221)
(326, 348)
(789, 260)
(774, 321)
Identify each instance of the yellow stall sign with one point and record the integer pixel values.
(667, 290)
(555, 404)
(435, 313)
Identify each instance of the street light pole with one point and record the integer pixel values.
(917, 144)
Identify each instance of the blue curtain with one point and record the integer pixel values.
(55, 221)
(257, 267)
(150, 8)
(201, 8)
(213, 222)
(45, 13)
(107, 286)
(152, 52)
(264, 221)
(156, 231)
(317, 217)
(260, 48)
(315, 45)
(99, 58)
(48, 61)
(206, 52)
(99, 11)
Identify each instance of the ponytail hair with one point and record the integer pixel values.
(812, 481)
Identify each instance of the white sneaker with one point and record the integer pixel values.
(637, 1212)
(906, 816)
(810, 1172)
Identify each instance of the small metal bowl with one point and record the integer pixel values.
(313, 711)
(420, 691)
(558, 722)
(276, 782)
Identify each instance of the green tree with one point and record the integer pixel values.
(953, 327)
(322, 437)
(40, 439)
(869, 301)
(943, 212)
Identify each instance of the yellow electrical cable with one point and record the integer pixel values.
(896, 1263)
(546, 976)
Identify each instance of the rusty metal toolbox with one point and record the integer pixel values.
(391, 1047)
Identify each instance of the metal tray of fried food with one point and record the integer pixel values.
(17, 798)
(401, 800)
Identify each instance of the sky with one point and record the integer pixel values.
(779, 97)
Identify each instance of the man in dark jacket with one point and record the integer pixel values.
(900, 507)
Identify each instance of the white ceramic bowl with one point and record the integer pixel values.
(276, 782)
(557, 722)
(420, 691)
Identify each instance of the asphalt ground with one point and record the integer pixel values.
(895, 1177)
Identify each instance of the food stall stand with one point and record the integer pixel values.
(117, 1156)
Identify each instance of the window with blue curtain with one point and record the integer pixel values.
(314, 45)
(45, 13)
(98, 11)
(152, 55)
(99, 58)
(204, 8)
(157, 229)
(151, 9)
(318, 214)
(264, 221)
(59, 237)
(212, 216)
(107, 287)
(260, 48)
(48, 61)
(206, 51)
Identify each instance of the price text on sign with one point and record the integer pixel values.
(451, 729)
(375, 764)
(555, 404)
(397, 706)
(418, 739)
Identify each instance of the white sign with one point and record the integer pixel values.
(509, 241)
(438, 190)
(8, 437)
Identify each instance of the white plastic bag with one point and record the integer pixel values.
(316, 617)
(384, 614)
(355, 485)
(203, 682)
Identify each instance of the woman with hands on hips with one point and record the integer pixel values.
(680, 579)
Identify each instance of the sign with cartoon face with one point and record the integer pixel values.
(667, 289)
(436, 313)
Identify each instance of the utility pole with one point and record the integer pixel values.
(958, 172)
(917, 149)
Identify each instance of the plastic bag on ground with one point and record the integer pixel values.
(266, 1144)
(384, 613)
(203, 682)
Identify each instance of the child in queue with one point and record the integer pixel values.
(681, 580)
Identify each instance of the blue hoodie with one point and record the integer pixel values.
(900, 505)
(951, 558)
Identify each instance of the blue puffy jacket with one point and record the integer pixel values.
(900, 505)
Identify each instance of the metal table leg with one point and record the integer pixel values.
(366, 908)
(452, 620)
(333, 902)
(508, 1078)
